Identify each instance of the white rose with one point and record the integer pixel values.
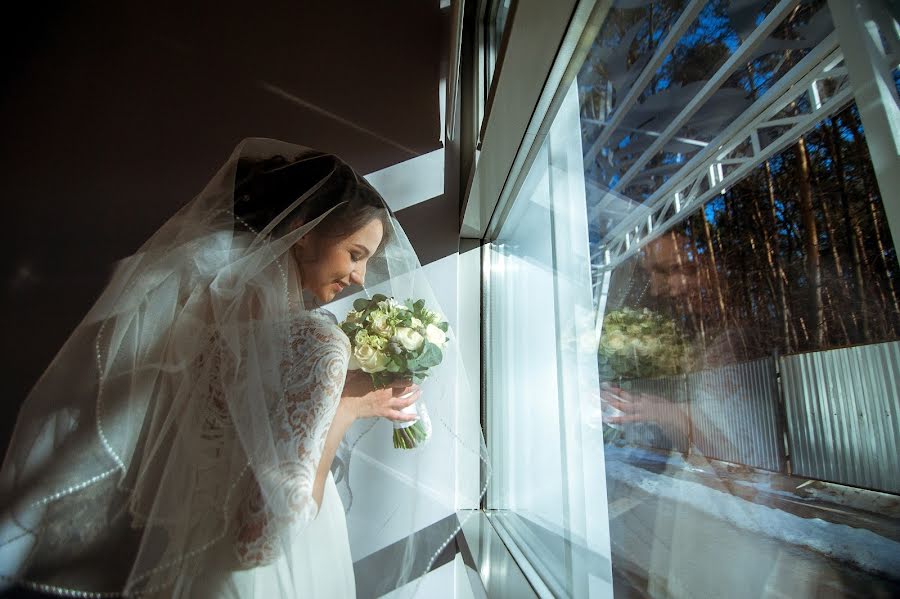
(354, 363)
(352, 316)
(410, 339)
(416, 323)
(614, 341)
(381, 327)
(435, 335)
(370, 359)
(638, 346)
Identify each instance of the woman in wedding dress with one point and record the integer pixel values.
(181, 442)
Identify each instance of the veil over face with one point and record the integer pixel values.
(187, 411)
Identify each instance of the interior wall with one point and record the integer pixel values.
(115, 115)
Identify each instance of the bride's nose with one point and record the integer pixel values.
(358, 276)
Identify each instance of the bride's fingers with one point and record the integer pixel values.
(617, 391)
(615, 402)
(404, 389)
(624, 418)
(400, 416)
(400, 402)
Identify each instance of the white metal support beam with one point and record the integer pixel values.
(871, 76)
(678, 29)
(815, 62)
(740, 57)
(705, 175)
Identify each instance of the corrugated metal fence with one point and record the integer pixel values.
(734, 413)
(842, 411)
(672, 427)
(839, 415)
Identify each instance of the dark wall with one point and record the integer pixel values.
(114, 116)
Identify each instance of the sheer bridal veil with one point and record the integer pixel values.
(187, 410)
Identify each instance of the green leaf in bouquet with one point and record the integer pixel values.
(378, 297)
(443, 326)
(431, 356)
(392, 367)
(360, 304)
(418, 305)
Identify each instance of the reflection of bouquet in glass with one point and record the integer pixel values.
(638, 344)
(392, 341)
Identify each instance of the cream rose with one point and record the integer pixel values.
(410, 339)
(435, 335)
(614, 341)
(380, 326)
(370, 359)
(416, 323)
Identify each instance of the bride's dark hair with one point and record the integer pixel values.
(264, 188)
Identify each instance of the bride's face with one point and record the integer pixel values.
(328, 264)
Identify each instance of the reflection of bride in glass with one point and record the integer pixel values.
(180, 443)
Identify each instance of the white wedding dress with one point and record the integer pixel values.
(318, 564)
(316, 560)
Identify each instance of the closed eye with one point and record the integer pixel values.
(359, 256)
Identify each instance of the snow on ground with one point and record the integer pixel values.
(864, 548)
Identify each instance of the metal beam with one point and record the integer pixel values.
(635, 233)
(776, 98)
(678, 29)
(872, 78)
(741, 55)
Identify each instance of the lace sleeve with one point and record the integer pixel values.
(315, 372)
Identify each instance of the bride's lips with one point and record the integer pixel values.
(337, 287)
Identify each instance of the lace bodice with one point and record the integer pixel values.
(313, 371)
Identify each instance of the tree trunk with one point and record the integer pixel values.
(714, 267)
(882, 251)
(862, 153)
(811, 245)
(689, 289)
(776, 264)
(831, 134)
(838, 315)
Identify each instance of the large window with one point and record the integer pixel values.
(692, 309)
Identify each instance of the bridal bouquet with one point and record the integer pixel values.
(391, 341)
(638, 344)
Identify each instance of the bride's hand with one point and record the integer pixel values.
(362, 400)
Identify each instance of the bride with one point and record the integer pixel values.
(182, 441)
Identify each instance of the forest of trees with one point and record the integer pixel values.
(795, 257)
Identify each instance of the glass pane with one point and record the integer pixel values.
(699, 400)
(543, 378)
(755, 348)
